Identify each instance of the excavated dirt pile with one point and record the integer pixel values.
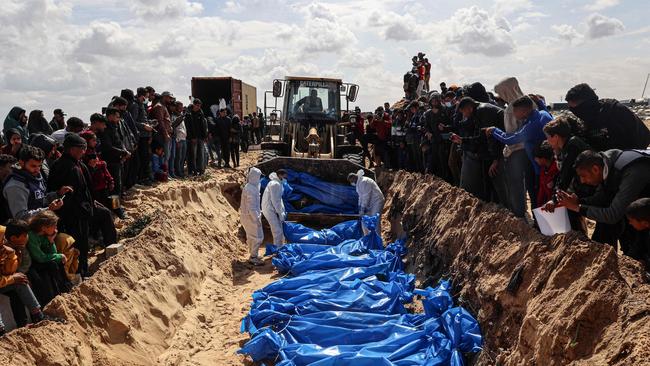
(174, 296)
(540, 301)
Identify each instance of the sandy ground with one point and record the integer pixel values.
(174, 296)
(559, 300)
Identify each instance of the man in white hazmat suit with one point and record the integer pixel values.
(371, 200)
(273, 207)
(250, 212)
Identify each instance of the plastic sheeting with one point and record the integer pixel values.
(297, 233)
(324, 197)
(343, 305)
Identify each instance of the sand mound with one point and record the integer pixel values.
(174, 296)
(571, 301)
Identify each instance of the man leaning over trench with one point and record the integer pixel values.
(371, 200)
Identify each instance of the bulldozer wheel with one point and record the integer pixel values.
(354, 158)
(268, 155)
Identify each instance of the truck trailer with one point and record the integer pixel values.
(240, 97)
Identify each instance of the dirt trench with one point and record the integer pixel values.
(540, 301)
(174, 296)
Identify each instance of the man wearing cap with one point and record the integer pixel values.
(78, 207)
(197, 133)
(164, 128)
(58, 121)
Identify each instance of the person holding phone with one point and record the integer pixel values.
(26, 190)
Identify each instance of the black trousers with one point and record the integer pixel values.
(102, 220)
(144, 158)
(225, 151)
(48, 280)
(234, 154)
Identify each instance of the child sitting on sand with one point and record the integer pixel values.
(47, 263)
(157, 164)
(14, 283)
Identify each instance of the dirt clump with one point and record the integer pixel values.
(540, 300)
(174, 296)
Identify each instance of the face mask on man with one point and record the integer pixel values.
(353, 184)
(448, 104)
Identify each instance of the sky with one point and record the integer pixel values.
(76, 54)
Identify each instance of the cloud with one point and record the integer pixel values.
(106, 39)
(506, 7)
(474, 30)
(321, 32)
(395, 27)
(233, 7)
(156, 10)
(566, 32)
(601, 4)
(599, 26)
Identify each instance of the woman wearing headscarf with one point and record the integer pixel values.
(16, 119)
(38, 124)
(15, 142)
(518, 169)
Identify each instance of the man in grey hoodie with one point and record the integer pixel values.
(25, 190)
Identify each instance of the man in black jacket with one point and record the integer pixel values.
(113, 152)
(221, 130)
(78, 206)
(197, 134)
(435, 116)
(609, 124)
(482, 170)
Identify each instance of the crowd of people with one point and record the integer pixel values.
(508, 147)
(60, 180)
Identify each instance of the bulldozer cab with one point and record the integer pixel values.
(311, 116)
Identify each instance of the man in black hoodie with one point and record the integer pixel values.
(609, 124)
(221, 130)
(78, 206)
(197, 134)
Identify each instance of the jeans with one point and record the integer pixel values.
(179, 161)
(516, 167)
(169, 149)
(201, 156)
(234, 154)
(26, 297)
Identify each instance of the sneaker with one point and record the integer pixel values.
(256, 262)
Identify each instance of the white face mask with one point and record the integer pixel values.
(448, 104)
(353, 184)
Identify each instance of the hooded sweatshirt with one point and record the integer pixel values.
(250, 199)
(13, 121)
(508, 89)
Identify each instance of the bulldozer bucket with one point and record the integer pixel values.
(330, 170)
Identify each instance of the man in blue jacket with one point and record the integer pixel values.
(531, 134)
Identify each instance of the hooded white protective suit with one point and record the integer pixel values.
(371, 200)
(250, 212)
(273, 208)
